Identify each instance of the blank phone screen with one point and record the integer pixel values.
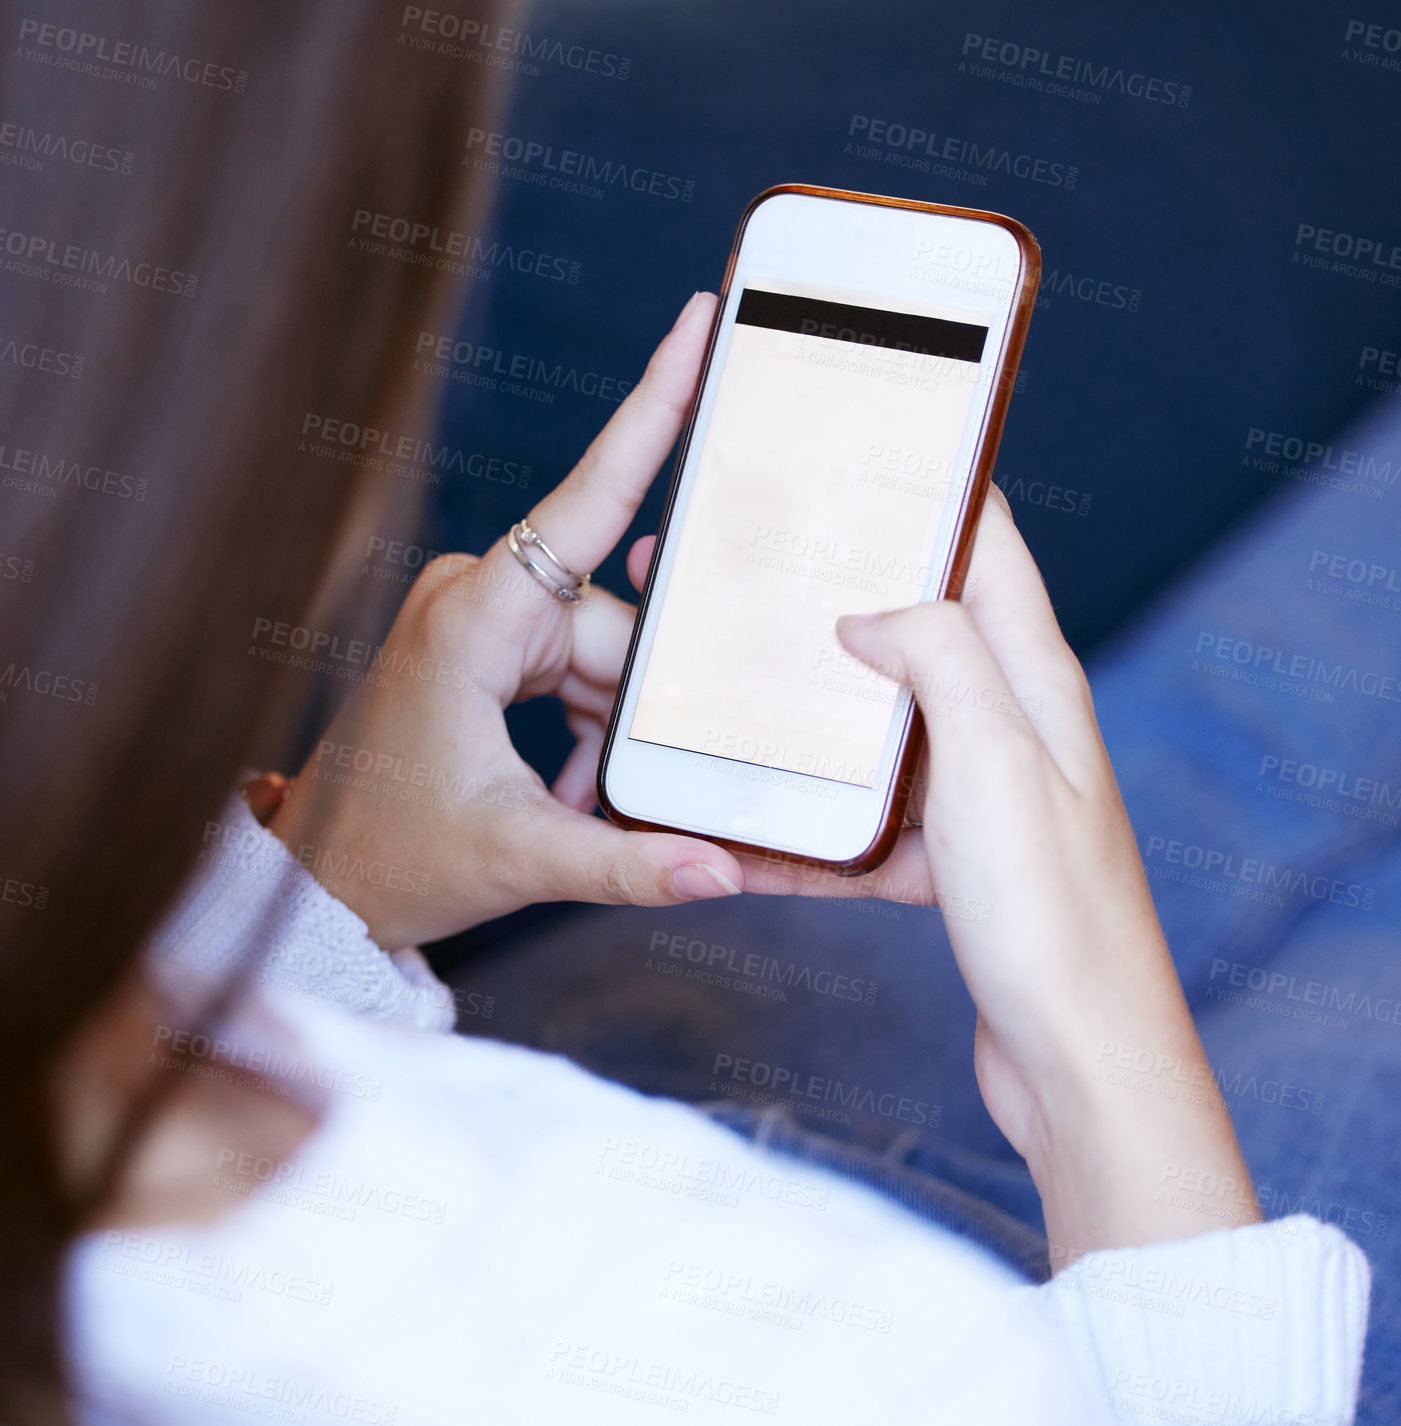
(818, 490)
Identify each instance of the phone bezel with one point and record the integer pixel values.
(897, 786)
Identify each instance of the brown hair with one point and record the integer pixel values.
(155, 503)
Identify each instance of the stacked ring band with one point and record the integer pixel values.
(556, 576)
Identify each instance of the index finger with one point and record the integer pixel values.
(586, 515)
(903, 876)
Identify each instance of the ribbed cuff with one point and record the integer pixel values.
(249, 896)
(1261, 1323)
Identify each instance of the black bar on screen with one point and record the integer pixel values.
(862, 326)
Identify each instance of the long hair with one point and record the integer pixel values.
(187, 282)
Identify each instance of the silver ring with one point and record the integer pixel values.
(561, 581)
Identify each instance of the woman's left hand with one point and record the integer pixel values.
(415, 809)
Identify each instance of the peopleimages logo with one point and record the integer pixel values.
(1303, 667)
(122, 60)
(43, 473)
(1049, 497)
(665, 1384)
(1356, 571)
(72, 265)
(926, 151)
(1328, 789)
(765, 1299)
(350, 443)
(1378, 369)
(271, 1064)
(174, 1264)
(568, 170)
(1325, 996)
(15, 567)
(324, 650)
(1248, 872)
(1358, 581)
(1097, 291)
(1027, 67)
(781, 1080)
(282, 1398)
(1379, 46)
(726, 961)
(497, 47)
(385, 774)
(46, 359)
(448, 250)
(23, 893)
(1356, 472)
(26, 147)
(516, 373)
(1371, 259)
(1320, 454)
(1330, 780)
(21, 677)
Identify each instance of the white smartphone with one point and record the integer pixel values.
(837, 455)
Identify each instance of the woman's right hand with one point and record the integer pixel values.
(1027, 847)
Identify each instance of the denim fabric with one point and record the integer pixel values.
(1278, 775)
(1020, 1247)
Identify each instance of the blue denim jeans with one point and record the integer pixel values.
(1254, 720)
(891, 1174)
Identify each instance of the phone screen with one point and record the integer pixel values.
(818, 489)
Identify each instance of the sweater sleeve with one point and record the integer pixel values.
(249, 896)
(1261, 1323)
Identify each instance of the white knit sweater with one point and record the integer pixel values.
(479, 1233)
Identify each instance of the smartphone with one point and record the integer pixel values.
(835, 460)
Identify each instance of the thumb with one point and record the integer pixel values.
(938, 652)
(575, 857)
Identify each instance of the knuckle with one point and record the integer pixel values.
(442, 568)
(616, 884)
(652, 392)
(924, 639)
(593, 477)
(1069, 685)
(443, 601)
(941, 619)
(447, 577)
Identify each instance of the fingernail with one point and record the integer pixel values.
(698, 881)
(681, 316)
(851, 623)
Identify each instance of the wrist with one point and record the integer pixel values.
(270, 798)
(1129, 1142)
(318, 842)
